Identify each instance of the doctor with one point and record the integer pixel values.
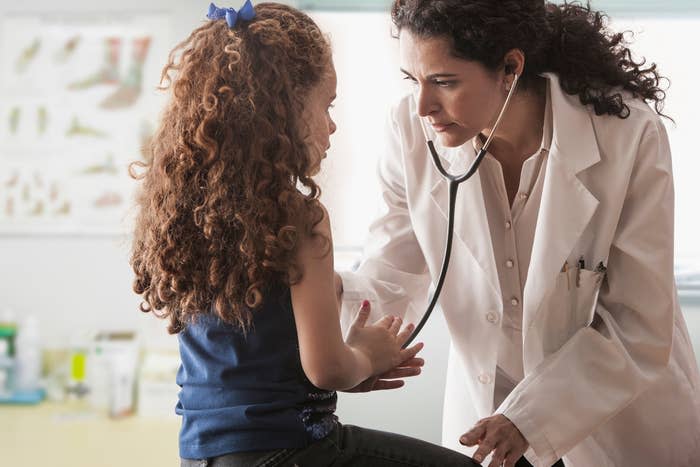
(567, 337)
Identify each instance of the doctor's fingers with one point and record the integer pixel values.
(486, 445)
(385, 384)
(397, 373)
(503, 456)
(412, 362)
(506, 451)
(511, 459)
(471, 437)
(410, 367)
(503, 443)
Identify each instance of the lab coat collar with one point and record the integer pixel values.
(573, 136)
(567, 205)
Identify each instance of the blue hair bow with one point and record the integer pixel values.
(246, 13)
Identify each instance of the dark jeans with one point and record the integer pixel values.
(347, 446)
(524, 463)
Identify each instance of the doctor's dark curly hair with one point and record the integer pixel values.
(220, 206)
(568, 39)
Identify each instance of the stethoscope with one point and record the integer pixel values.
(454, 182)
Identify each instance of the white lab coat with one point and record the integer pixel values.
(610, 376)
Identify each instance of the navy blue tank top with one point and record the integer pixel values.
(248, 391)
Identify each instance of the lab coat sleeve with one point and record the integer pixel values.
(605, 366)
(393, 274)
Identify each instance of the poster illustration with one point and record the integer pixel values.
(78, 102)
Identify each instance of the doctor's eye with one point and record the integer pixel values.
(410, 80)
(443, 84)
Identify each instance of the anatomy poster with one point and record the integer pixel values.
(78, 102)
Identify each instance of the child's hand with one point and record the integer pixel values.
(380, 343)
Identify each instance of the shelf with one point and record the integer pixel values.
(65, 435)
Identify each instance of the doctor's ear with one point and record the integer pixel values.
(513, 61)
(510, 76)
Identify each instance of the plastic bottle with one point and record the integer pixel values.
(8, 334)
(77, 381)
(7, 366)
(122, 376)
(28, 356)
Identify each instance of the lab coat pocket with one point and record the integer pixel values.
(569, 307)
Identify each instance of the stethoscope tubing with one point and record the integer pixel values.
(453, 184)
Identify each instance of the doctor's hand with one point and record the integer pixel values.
(499, 435)
(392, 379)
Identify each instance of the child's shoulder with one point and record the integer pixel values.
(320, 235)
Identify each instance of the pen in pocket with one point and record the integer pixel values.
(601, 270)
(581, 264)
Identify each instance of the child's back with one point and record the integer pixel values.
(248, 391)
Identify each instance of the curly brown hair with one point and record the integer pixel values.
(227, 193)
(569, 39)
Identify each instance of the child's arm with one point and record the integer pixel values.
(328, 361)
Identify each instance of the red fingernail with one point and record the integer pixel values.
(365, 303)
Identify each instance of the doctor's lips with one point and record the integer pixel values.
(441, 127)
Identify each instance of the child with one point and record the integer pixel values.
(233, 246)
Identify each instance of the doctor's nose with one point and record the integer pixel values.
(425, 103)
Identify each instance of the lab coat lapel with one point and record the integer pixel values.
(471, 224)
(567, 205)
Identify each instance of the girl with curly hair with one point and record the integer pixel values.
(233, 247)
(567, 336)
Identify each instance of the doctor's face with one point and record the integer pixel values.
(318, 118)
(458, 98)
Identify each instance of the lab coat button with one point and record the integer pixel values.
(491, 317)
(508, 225)
(484, 378)
(523, 195)
(510, 263)
(514, 301)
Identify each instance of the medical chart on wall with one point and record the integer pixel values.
(78, 102)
